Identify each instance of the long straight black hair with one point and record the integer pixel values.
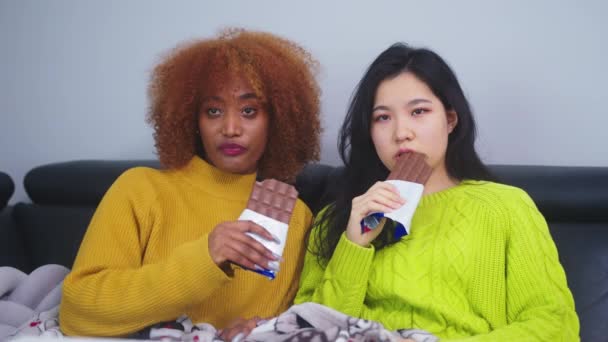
(363, 167)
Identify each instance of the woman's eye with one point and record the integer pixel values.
(214, 111)
(419, 111)
(382, 117)
(249, 111)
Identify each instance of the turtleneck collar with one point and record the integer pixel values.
(218, 182)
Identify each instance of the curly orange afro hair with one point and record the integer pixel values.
(282, 75)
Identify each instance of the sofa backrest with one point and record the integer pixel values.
(11, 245)
(6, 189)
(64, 197)
(76, 183)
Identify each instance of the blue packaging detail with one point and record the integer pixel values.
(372, 221)
(267, 273)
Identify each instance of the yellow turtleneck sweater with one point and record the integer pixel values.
(145, 258)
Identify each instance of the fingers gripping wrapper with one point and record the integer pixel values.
(270, 205)
(409, 176)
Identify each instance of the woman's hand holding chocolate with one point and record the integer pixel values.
(229, 243)
(381, 197)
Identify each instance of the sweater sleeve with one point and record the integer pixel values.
(340, 285)
(540, 306)
(110, 292)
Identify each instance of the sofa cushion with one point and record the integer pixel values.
(52, 234)
(12, 252)
(81, 183)
(6, 189)
(562, 193)
(583, 251)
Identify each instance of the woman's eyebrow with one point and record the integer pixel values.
(380, 107)
(248, 96)
(410, 103)
(417, 101)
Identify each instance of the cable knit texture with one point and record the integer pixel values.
(145, 256)
(479, 265)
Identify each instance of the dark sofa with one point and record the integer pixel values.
(574, 200)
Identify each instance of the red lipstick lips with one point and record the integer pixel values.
(232, 150)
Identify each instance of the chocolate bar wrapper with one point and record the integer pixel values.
(402, 216)
(277, 228)
(408, 175)
(270, 205)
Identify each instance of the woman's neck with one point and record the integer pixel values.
(216, 181)
(439, 181)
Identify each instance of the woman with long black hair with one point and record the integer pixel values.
(479, 262)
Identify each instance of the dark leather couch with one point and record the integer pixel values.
(574, 201)
(9, 255)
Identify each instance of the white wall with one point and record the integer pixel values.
(73, 74)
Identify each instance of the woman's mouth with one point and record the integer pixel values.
(232, 150)
(403, 151)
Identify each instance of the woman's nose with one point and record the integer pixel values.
(403, 130)
(231, 125)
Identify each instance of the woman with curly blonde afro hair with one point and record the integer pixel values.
(162, 243)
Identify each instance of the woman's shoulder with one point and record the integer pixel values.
(144, 181)
(495, 194)
(141, 175)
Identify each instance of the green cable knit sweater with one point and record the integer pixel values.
(479, 265)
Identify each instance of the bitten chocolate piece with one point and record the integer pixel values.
(273, 199)
(411, 167)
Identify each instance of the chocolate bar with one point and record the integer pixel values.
(411, 167)
(273, 199)
(270, 205)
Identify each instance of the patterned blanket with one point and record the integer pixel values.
(308, 322)
(29, 306)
